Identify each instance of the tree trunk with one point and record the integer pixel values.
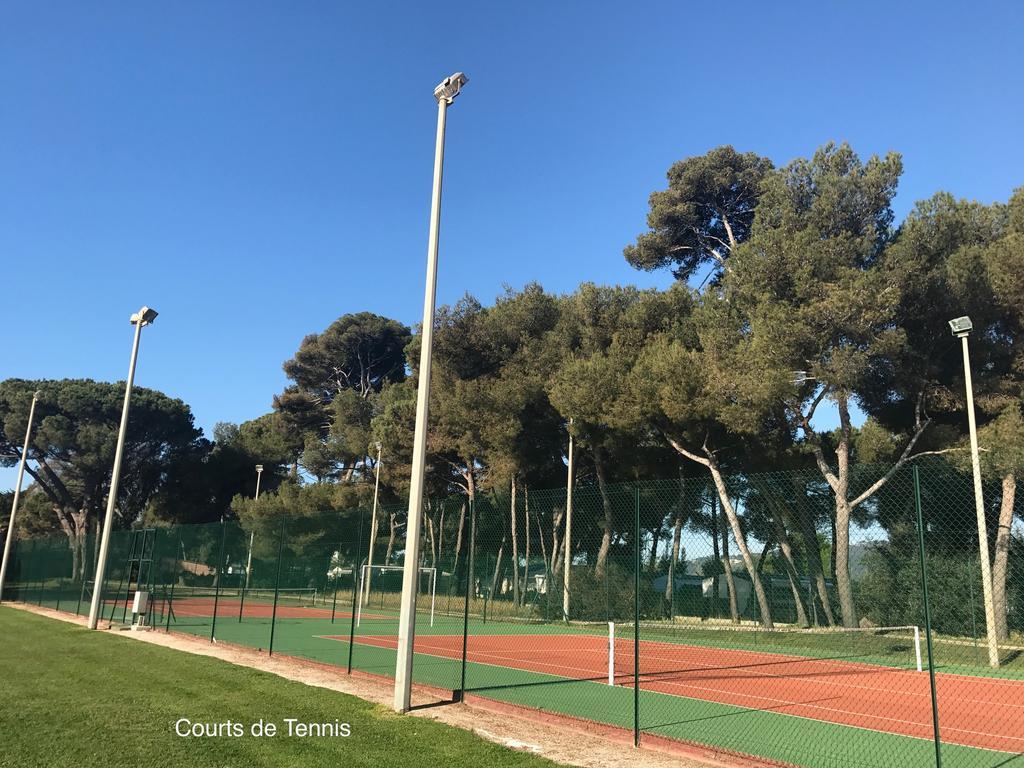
(495, 586)
(80, 519)
(392, 535)
(730, 580)
(792, 574)
(1001, 556)
(440, 533)
(556, 560)
(458, 539)
(606, 503)
(741, 542)
(844, 584)
(670, 584)
(709, 461)
(812, 552)
(543, 546)
(765, 551)
(515, 544)
(430, 537)
(655, 536)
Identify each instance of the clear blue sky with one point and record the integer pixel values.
(253, 170)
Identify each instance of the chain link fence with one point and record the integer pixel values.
(758, 616)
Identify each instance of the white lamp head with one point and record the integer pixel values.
(146, 315)
(450, 87)
(961, 326)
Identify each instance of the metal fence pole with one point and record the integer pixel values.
(927, 617)
(357, 562)
(219, 574)
(277, 586)
(174, 580)
(469, 590)
(636, 620)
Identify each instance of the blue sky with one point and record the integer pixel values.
(254, 170)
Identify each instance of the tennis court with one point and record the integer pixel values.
(979, 712)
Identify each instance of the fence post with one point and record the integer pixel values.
(174, 580)
(217, 576)
(927, 616)
(277, 585)
(636, 620)
(356, 563)
(469, 591)
(248, 572)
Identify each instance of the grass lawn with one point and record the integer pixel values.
(74, 698)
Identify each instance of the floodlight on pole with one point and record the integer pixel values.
(961, 328)
(445, 93)
(17, 493)
(140, 319)
(252, 534)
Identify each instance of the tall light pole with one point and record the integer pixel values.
(961, 328)
(143, 317)
(567, 544)
(445, 94)
(17, 493)
(252, 534)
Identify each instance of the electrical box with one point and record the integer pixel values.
(141, 603)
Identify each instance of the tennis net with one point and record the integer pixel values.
(668, 648)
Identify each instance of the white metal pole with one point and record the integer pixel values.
(252, 534)
(410, 576)
(115, 478)
(433, 594)
(365, 589)
(979, 508)
(17, 494)
(611, 653)
(567, 544)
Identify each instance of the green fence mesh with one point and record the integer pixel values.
(758, 617)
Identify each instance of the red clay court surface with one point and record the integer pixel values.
(987, 713)
(202, 607)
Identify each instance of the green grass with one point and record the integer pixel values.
(71, 697)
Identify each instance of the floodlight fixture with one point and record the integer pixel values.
(450, 87)
(146, 316)
(961, 326)
(259, 467)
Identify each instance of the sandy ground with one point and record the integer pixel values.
(569, 743)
